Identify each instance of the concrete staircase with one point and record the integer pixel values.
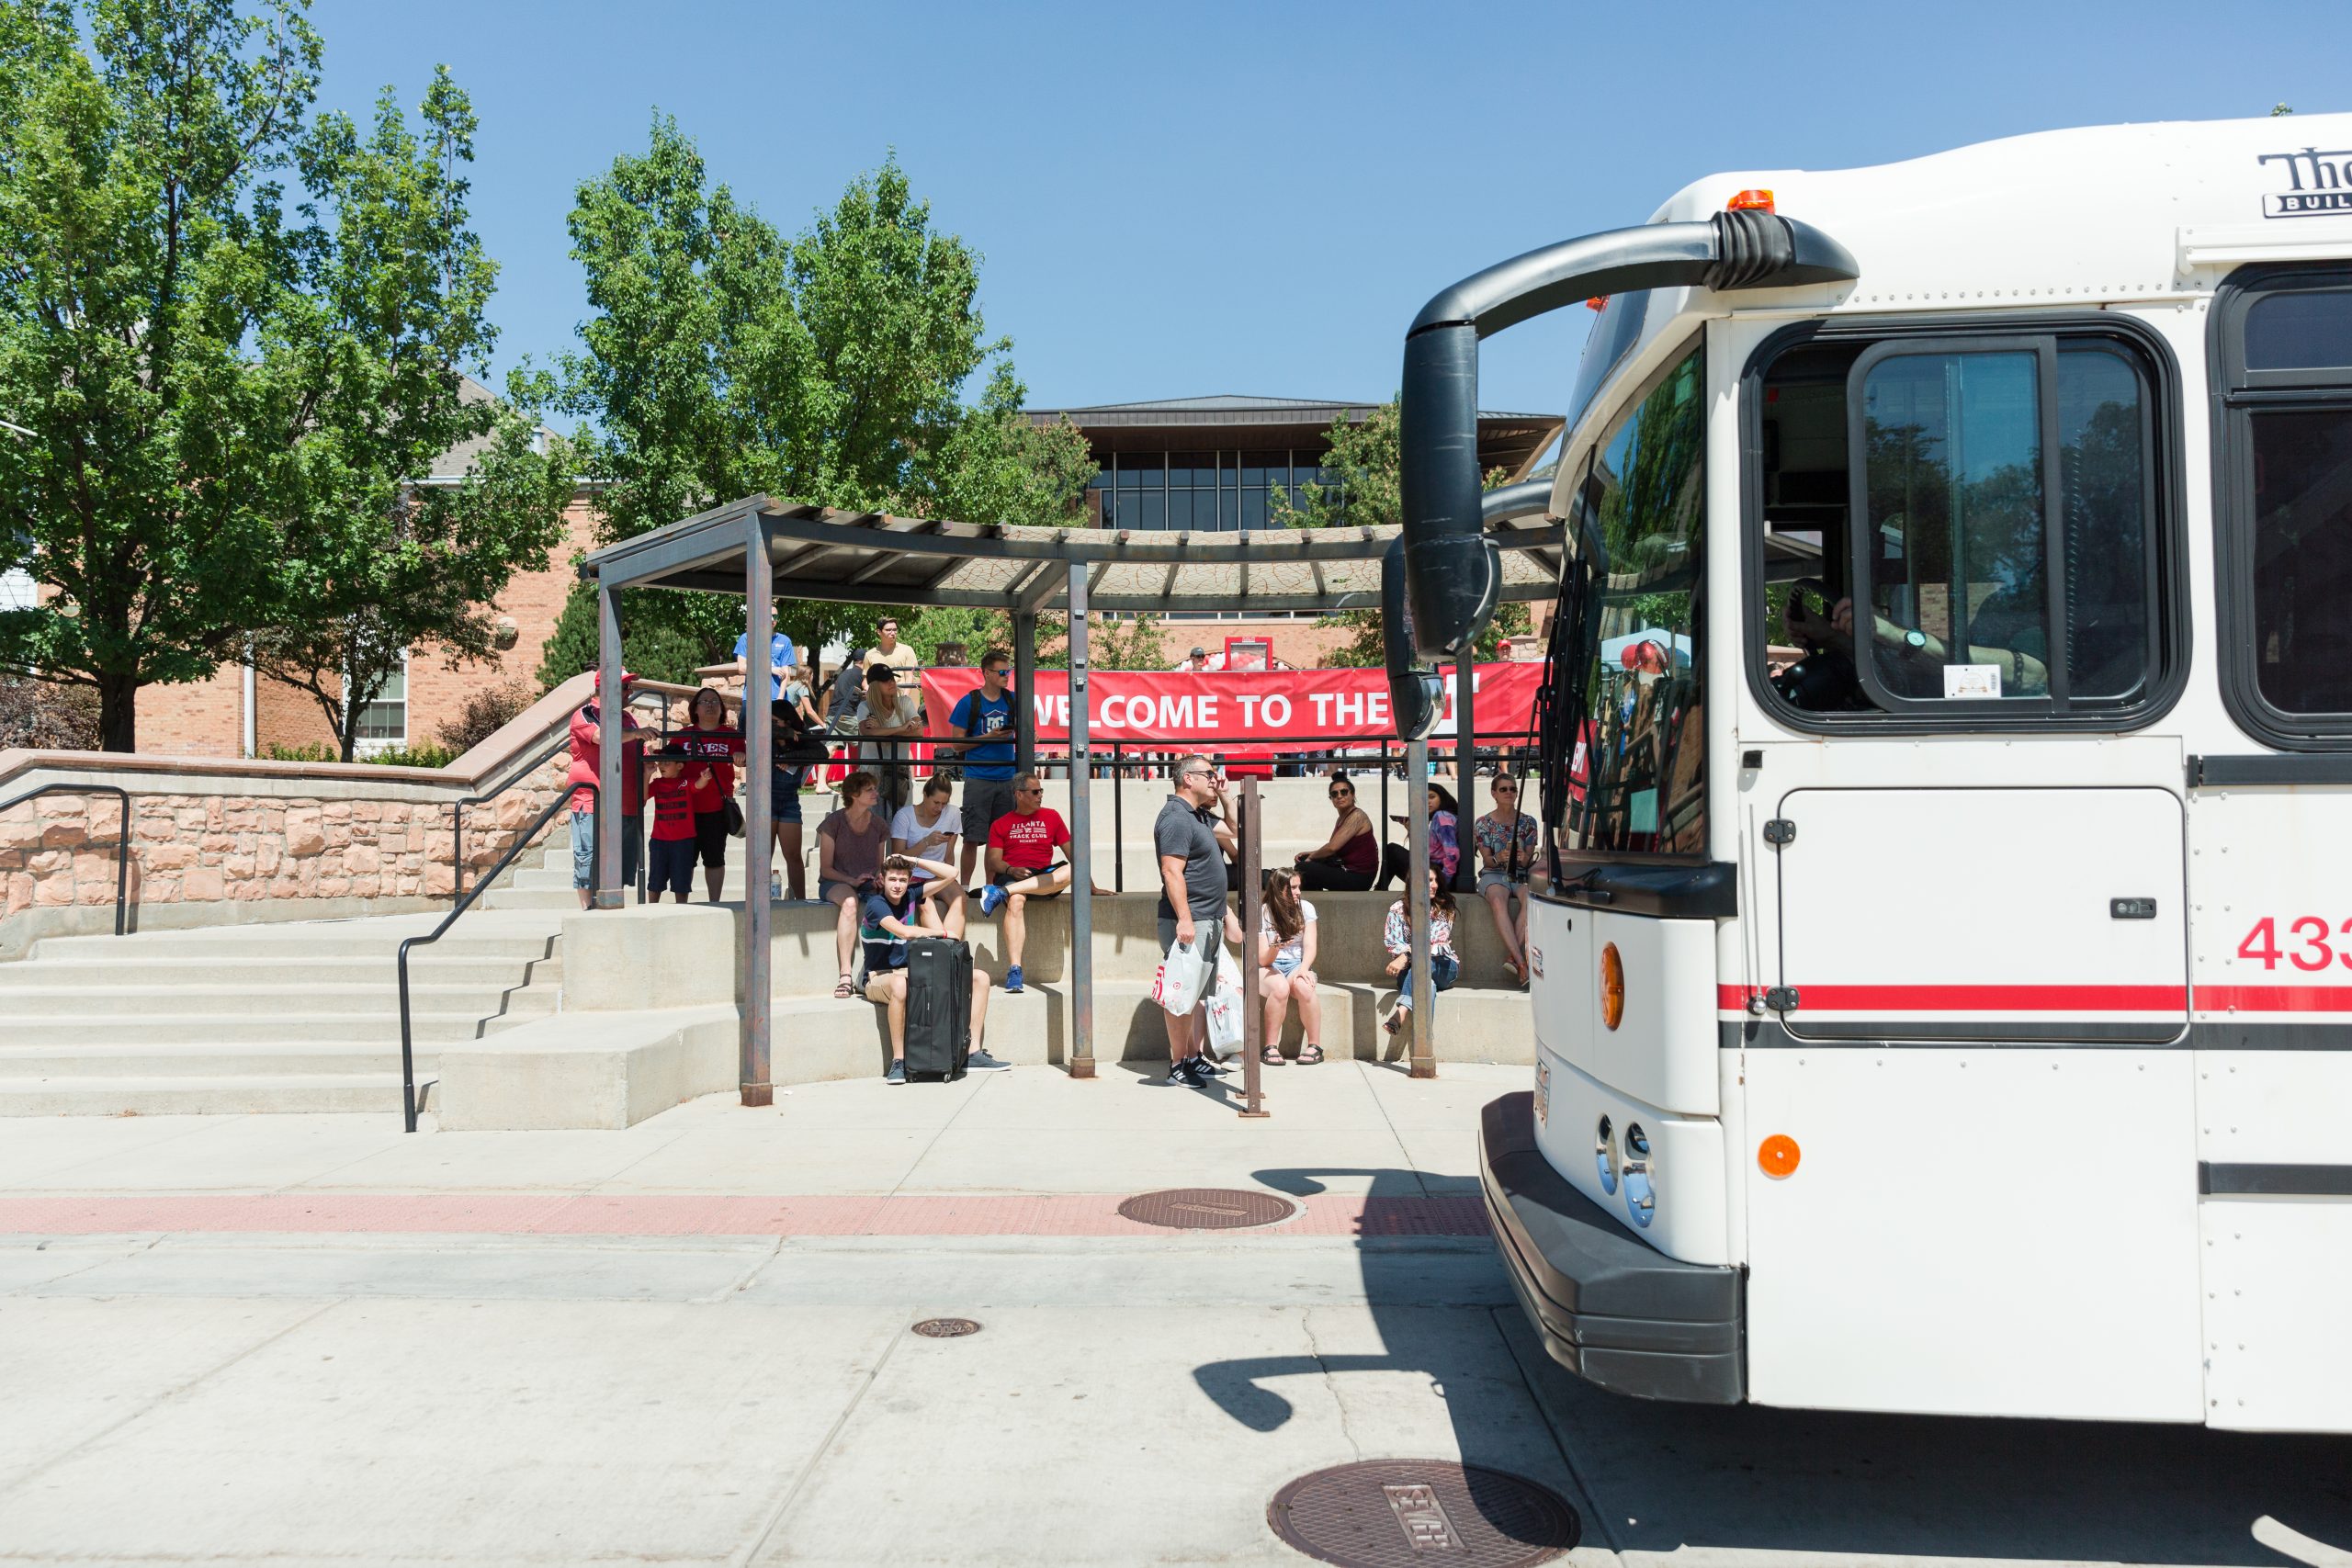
(292, 1016)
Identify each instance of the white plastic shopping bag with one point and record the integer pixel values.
(1226, 1022)
(1183, 978)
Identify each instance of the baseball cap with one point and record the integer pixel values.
(627, 676)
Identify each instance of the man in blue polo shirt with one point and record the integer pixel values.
(984, 718)
(780, 662)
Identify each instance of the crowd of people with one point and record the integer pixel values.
(897, 857)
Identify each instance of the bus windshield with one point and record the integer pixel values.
(1635, 782)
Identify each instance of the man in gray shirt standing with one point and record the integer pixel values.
(1192, 893)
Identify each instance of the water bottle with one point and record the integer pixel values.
(775, 885)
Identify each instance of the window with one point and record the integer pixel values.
(383, 724)
(2283, 346)
(1635, 782)
(1991, 558)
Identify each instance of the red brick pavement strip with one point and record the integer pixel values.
(512, 1214)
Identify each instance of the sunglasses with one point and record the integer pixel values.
(1343, 794)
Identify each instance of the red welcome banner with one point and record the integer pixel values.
(1179, 707)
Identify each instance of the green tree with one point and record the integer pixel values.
(1364, 489)
(722, 360)
(649, 647)
(145, 249)
(394, 290)
(226, 384)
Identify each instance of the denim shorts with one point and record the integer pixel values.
(583, 848)
(784, 797)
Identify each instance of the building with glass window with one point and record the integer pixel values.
(1214, 464)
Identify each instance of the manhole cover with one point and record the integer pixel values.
(946, 1327)
(1419, 1512)
(1206, 1207)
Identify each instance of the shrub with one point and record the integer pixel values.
(310, 751)
(47, 715)
(426, 756)
(487, 711)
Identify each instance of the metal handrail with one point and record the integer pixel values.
(121, 845)
(457, 807)
(466, 901)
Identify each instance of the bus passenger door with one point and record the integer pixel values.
(1972, 1045)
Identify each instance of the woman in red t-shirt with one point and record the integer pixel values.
(711, 779)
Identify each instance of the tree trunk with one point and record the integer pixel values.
(119, 712)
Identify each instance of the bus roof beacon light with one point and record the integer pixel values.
(1750, 201)
(1450, 579)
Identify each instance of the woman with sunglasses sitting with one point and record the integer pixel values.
(1445, 849)
(1506, 839)
(1350, 859)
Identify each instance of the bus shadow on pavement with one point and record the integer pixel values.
(1656, 1477)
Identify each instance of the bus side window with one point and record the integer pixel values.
(1993, 580)
(2284, 339)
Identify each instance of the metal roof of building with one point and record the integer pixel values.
(876, 558)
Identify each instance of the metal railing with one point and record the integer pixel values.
(121, 846)
(562, 803)
(1357, 755)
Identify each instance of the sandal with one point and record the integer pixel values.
(1273, 1056)
(846, 989)
(1388, 1025)
(1308, 1054)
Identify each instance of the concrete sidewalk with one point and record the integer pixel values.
(690, 1343)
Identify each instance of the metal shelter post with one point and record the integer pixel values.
(759, 812)
(1082, 841)
(612, 725)
(1024, 678)
(1417, 909)
(1465, 766)
(1253, 1006)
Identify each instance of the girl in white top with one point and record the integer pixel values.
(928, 828)
(1286, 966)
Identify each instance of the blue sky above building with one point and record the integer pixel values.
(1222, 198)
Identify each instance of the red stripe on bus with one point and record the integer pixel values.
(2275, 998)
(1977, 999)
(2052, 998)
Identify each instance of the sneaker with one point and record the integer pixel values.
(992, 900)
(1180, 1075)
(980, 1061)
(1012, 976)
(898, 1073)
(1199, 1072)
(1209, 1069)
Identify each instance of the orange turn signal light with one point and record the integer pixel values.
(1598, 302)
(1612, 986)
(1776, 1156)
(1750, 201)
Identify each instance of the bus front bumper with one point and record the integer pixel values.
(1608, 1307)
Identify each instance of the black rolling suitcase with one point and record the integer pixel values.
(939, 1007)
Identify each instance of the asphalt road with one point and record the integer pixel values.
(484, 1399)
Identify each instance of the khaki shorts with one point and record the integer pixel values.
(878, 986)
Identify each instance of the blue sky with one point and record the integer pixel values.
(1174, 200)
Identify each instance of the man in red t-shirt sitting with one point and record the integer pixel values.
(1021, 865)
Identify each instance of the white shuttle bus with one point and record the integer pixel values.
(1943, 981)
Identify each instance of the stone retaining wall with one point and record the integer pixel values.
(200, 844)
(232, 842)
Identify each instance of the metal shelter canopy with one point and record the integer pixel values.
(872, 558)
(760, 549)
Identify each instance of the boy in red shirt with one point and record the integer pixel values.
(671, 862)
(1021, 865)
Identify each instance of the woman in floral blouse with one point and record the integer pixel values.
(1396, 936)
(1506, 839)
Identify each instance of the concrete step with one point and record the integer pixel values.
(305, 1058)
(427, 966)
(376, 1092)
(378, 997)
(75, 1032)
(267, 944)
(825, 1038)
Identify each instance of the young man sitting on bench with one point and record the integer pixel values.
(899, 909)
(1021, 867)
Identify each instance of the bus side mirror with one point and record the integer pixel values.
(1414, 689)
